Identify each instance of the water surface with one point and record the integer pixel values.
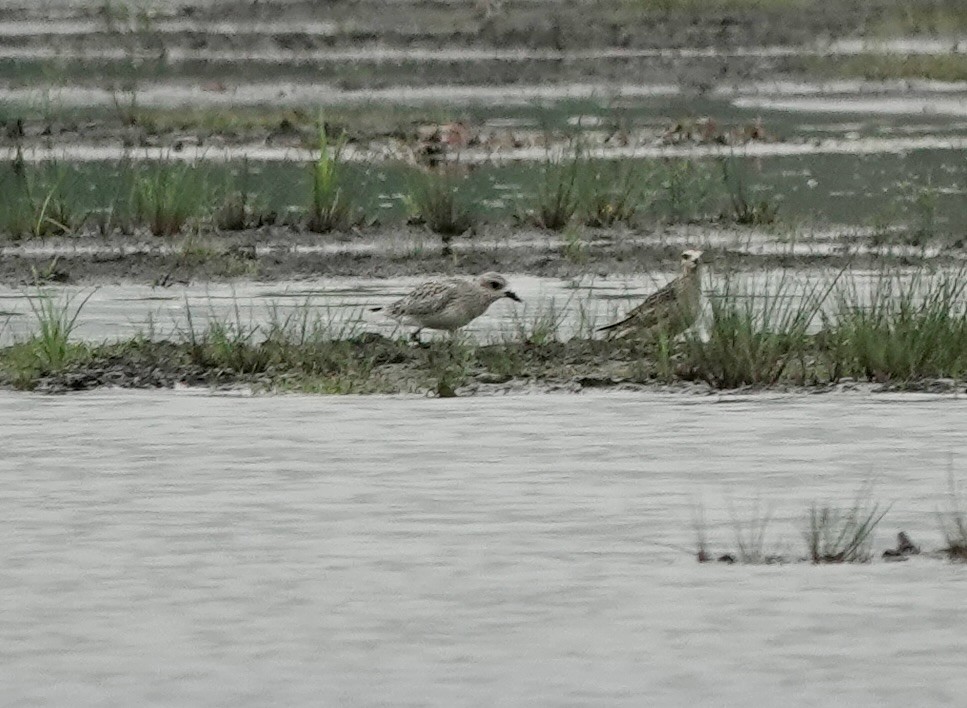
(187, 549)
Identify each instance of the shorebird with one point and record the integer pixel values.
(671, 310)
(449, 303)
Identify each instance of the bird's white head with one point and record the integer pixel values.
(691, 259)
(496, 286)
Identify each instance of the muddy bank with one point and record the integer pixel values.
(279, 255)
(371, 363)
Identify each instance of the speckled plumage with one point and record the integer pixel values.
(449, 303)
(671, 310)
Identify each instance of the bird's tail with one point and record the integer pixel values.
(613, 326)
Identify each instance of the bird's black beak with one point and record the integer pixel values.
(512, 295)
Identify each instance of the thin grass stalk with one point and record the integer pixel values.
(953, 523)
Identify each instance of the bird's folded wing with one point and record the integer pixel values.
(654, 309)
(429, 298)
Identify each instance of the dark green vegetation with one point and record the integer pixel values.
(883, 67)
(329, 194)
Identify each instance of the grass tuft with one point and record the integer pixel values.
(435, 201)
(612, 194)
(684, 190)
(742, 209)
(843, 536)
(49, 349)
(38, 203)
(240, 209)
(757, 335)
(750, 534)
(558, 193)
(331, 207)
(166, 196)
(909, 327)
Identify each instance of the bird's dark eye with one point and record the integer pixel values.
(495, 285)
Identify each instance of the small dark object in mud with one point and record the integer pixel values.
(727, 558)
(905, 545)
(596, 381)
(904, 548)
(445, 390)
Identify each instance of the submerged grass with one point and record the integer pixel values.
(436, 201)
(166, 196)
(39, 202)
(612, 193)
(743, 209)
(558, 195)
(684, 190)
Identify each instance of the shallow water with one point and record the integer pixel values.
(115, 311)
(111, 312)
(188, 549)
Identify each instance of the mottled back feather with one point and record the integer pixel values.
(427, 298)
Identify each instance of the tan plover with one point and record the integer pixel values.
(671, 310)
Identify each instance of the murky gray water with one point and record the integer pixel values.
(183, 549)
(342, 305)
